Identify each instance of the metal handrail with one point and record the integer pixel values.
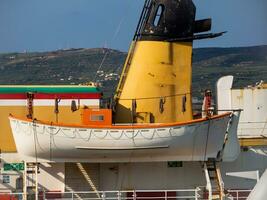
(192, 194)
(238, 194)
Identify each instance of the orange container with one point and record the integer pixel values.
(98, 117)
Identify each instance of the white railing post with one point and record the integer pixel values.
(208, 183)
(44, 195)
(134, 195)
(119, 195)
(25, 181)
(103, 196)
(36, 181)
(196, 194)
(72, 195)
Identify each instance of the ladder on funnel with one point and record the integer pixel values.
(145, 13)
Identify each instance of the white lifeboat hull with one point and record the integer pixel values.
(197, 140)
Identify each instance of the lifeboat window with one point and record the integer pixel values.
(158, 15)
(97, 118)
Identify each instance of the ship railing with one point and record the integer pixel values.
(231, 194)
(188, 194)
(238, 194)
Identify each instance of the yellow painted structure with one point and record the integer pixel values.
(7, 143)
(159, 75)
(252, 142)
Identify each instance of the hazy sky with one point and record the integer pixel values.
(43, 25)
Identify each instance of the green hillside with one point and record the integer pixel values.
(247, 64)
(75, 66)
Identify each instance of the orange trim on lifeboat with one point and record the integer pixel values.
(130, 126)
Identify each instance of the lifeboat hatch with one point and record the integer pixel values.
(97, 117)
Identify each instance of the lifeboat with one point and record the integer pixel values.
(197, 140)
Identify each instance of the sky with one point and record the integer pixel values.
(45, 25)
